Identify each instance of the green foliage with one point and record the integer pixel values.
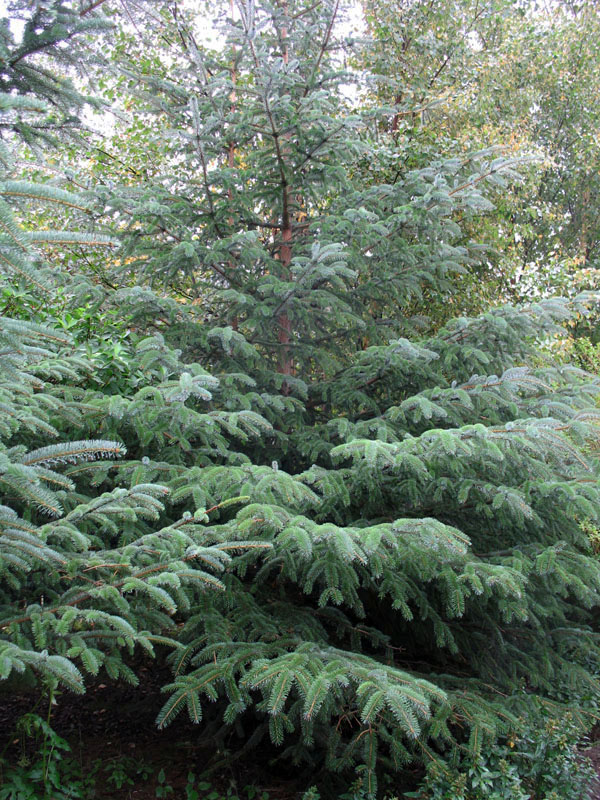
(586, 354)
(204, 790)
(38, 106)
(308, 255)
(163, 789)
(349, 536)
(50, 773)
(78, 566)
(541, 763)
(456, 75)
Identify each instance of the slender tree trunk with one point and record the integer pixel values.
(231, 151)
(286, 363)
(584, 233)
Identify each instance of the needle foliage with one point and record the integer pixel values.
(357, 537)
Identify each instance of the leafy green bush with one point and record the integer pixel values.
(43, 769)
(541, 762)
(586, 354)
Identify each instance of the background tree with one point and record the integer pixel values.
(469, 75)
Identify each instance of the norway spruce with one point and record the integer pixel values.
(359, 537)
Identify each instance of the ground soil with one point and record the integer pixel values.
(115, 724)
(593, 753)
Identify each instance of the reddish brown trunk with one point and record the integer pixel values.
(396, 120)
(583, 239)
(286, 366)
(231, 153)
(284, 334)
(233, 97)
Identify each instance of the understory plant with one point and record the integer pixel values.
(543, 761)
(43, 767)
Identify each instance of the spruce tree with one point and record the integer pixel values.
(363, 539)
(86, 573)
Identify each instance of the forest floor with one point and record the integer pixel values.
(593, 753)
(113, 737)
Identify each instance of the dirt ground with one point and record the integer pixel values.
(593, 753)
(103, 731)
(115, 724)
